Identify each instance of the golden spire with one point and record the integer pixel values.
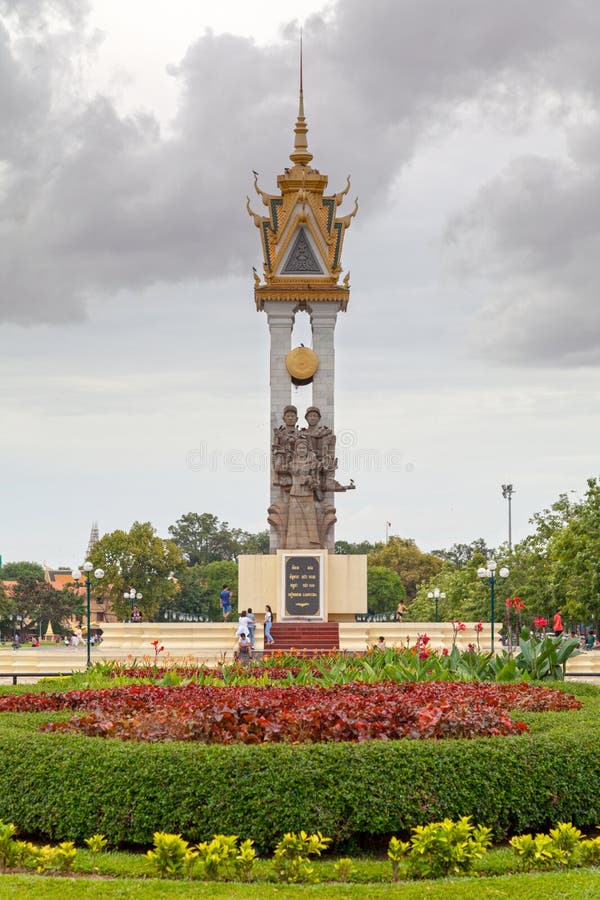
(301, 155)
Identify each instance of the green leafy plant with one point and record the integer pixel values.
(290, 859)
(57, 859)
(566, 837)
(562, 847)
(27, 855)
(545, 658)
(537, 852)
(344, 869)
(8, 852)
(446, 848)
(244, 861)
(218, 857)
(397, 850)
(96, 843)
(171, 855)
(589, 851)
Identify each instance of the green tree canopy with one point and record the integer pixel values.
(202, 538)
(462, 554)
(363, 547)
(385, 589)
(412, 565)
(15, 571)
(574, 552)
(38, 603)
(137, 558)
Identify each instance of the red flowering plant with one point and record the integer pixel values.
(540, 624)
(456, 628)
(513, 605)
(157, 650)
(478, 629)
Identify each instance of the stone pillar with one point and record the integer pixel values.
(280, 316)
(322, 320)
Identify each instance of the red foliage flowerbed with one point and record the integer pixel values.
(252, 715)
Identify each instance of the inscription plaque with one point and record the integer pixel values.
(302, 586)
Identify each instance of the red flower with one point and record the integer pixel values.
(479, 626)
(508, 602)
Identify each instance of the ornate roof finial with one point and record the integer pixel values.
(301, 155)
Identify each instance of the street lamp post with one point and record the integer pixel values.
(490, 574)
(132, 595)
(98, 575)
(436, 595)
(507, 492)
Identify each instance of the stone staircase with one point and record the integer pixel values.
(309, 637)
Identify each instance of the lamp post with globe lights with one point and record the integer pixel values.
(98, 575)
(132, 595)
(436, 595)
(507, 492)
(490, 573)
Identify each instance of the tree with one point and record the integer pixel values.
(137, 558)
(6, 609)
(467, 596)
(385, 589)
(412, 565)
(574, 553)
(349, 549)
(37, 603)
(461, 554)
(256, 544)
(15, 571)
(203, 539)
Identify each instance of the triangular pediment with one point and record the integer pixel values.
(302, 259)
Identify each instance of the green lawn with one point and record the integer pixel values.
(573, 884)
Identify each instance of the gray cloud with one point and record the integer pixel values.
(93, 201)
(533, 235)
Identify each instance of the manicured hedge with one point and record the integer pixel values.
(67, 787)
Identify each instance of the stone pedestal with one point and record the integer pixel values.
(304, 585)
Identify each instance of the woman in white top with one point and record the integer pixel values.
(268, 623)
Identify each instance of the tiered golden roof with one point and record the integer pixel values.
(301, 236)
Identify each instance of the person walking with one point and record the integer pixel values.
(225, 601)
(557, 625)
(268, 624)
(251, 625)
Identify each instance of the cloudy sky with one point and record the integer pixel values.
(133, 365)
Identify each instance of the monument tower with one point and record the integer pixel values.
(302, 238)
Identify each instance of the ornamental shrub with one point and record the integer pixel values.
(562, 847)
(218, 856)
(292, 853)
(7, 844)
(446, 848)
(172, 856)
(347, 790)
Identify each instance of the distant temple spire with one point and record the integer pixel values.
(94, 538)
(301, 155)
